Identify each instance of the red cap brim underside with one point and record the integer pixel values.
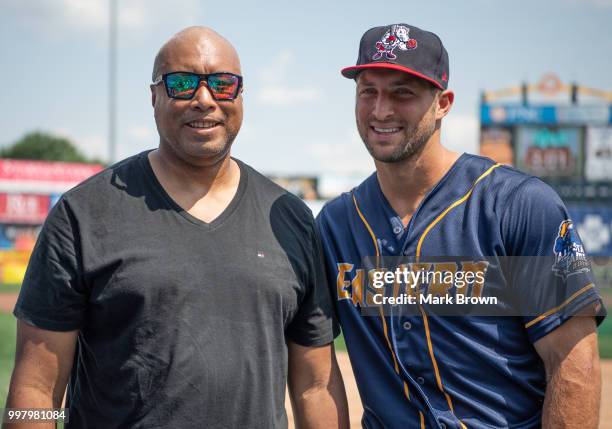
(351, 72)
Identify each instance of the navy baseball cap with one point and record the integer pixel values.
(405, 48)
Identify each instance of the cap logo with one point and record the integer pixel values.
(396, 36)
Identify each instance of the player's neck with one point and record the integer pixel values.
(406, 183)
(185, 178)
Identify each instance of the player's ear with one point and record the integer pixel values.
(445, 101)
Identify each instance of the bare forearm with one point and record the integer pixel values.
(322, 406)
(573, 394)
(21, 397)
(43, 360)
(316, 388)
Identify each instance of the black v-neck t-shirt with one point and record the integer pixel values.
(181, 323)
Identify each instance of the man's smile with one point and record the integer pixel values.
(206, 124)
(390, 130)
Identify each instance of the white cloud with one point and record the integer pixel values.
(275, 91)
(349, 157)
(283, 95)
(61, 18)
(56, 17)
(91, 145)
(134, 14)
(142, 133)
(277, 67)
(91, 14)
(460, 133)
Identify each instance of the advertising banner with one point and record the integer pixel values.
(28, 176)
(23, 208)
(516, 114)
(598, 162)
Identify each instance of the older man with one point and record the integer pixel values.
(536, 367)
(180, 288)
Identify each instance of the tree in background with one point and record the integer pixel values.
(42, 146)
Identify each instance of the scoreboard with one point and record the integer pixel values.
(550, 152)
(567, 144)
(570, 147)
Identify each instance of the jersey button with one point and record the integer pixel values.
(407, 326)
(442, 426)
(420, 380)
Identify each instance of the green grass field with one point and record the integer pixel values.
(9, 288)
(605, 338)
(339, 344)
(7, 353)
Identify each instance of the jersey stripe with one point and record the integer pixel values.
(382, 316)
(452, 206)
(418, 255)
(566, 302)
(433, 360)
(367, 225)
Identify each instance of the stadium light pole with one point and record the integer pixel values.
(112, 83)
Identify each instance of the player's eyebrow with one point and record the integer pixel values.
(402, 83)
(363, 82)
(409, 81)
(398, 82)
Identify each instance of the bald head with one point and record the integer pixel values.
(201, 42)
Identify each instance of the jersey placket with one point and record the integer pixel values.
(410, 327)
(411, 330)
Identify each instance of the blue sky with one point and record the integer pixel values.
(299, 111)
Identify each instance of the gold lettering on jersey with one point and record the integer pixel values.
(442, 279)
(357, 288)
(479, 269)
(341, 283)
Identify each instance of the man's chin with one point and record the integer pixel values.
(198, 152)
(206, 146)
(386, 154)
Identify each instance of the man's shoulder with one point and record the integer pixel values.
(478, 166)
(502, 180)
(342, 205)
(115, 176)
(337, 213)
(336, 206)
(271, 193)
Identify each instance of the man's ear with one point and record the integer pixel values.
(445, 102)
(153, 95)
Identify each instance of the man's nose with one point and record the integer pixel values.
(203, 98)
(383, 107)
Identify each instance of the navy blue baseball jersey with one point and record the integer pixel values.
(426, 370)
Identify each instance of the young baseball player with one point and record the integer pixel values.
(521, 370)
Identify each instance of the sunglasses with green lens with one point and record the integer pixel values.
(183, 85)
